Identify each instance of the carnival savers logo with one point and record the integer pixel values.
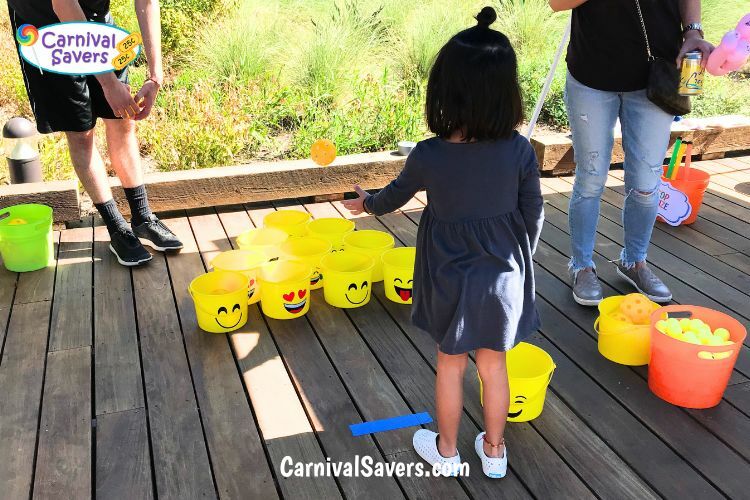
(77, 48)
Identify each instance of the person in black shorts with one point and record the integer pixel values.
(72, 104)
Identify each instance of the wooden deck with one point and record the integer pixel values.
(109, 388)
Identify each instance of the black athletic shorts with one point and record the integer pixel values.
(64, 103)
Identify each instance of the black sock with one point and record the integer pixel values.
(112, 216)
(138, 201)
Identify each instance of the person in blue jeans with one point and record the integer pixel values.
(606, 81)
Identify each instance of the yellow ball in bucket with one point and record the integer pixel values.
(308, 250)
(332, 229)
(220, 301)
(637, 308)
(265, 240)
(293, 222)
(530, 370)
(373, 243)
(17, 222)
(245, 262)
(284, 289)
(398, 274)
(348, 279)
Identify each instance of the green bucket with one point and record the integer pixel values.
(26, 237)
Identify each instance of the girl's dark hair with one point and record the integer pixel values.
(473, 85)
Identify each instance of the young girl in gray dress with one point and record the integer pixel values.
(473, 278)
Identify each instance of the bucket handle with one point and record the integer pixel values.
(198, 306)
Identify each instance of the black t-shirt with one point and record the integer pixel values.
(607, 50)
(40, 12)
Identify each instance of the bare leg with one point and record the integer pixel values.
(124, 153)
(496, 397)
(88, 165)
(449, 398)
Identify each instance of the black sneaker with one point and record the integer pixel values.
(128, 250)
(157, 235)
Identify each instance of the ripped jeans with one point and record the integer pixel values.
(645, 136)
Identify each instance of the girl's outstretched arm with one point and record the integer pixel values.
(530, 200)
(395, 195)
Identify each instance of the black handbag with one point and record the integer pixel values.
(663, 80)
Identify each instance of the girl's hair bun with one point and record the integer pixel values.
(486, 17)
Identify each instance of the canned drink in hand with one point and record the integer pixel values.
(691, 75)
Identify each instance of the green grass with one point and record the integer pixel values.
(263, 79)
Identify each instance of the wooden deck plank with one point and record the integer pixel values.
(123, 462)
(281, 417)
(8, 282)
(590, 461)
(237, 455)
(181, 464)
(63, 463)
(21, 377)
(118, 383)
(71, 312)
(368, 383)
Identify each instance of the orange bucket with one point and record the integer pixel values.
(693, 183)
(678, 373)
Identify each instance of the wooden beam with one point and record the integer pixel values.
(555, 151)
(62, 196)
(264, 181)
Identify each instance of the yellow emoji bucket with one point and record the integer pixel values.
(265, 240)
(331, 229)
(398, 274)
(373, 243)
(245, 262)
(220, 300)
(293, 222)
(284, 289)
(309, 251)
(530, 370)
(348, 279)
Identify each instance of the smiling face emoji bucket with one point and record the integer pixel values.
(293, 222)
(348, 282)
(398, 273)
(372, 243)
(529, 373)
(332, 230)
(285, 289)
(220, 299)
(246, 262)
(309, 251)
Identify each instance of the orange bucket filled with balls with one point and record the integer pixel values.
(624, 328)
(693, 352)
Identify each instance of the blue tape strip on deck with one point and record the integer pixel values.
(389, 424)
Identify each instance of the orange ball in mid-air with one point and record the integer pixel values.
(323, 152)
(636, 307)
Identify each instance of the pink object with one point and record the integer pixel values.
(733, 50)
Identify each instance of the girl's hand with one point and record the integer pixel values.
(357, 205)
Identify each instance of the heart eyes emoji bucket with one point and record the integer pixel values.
(284, 289)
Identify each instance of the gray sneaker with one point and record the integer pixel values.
(646, 282)
(587, 290)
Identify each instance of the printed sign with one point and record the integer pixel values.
(674, 205)
(78, 48)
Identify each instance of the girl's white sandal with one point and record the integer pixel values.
(425, 444)
(494, 467)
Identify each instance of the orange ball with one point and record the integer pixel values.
(636, 307)
(323, 152)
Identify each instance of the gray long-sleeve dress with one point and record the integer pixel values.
(473, 277)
